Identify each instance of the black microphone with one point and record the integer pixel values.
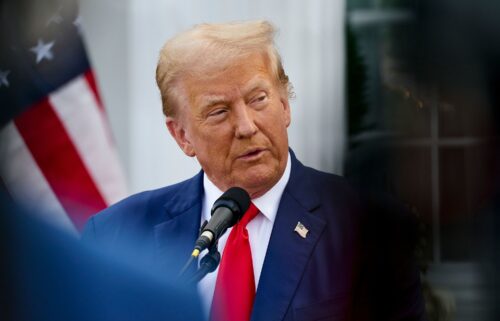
(227, 211)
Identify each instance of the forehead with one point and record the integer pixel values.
(222, 82)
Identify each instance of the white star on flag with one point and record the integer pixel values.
(78, 23)
(57, 19)
(43, 50)
(3, 78)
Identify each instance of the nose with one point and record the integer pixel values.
(244, 122)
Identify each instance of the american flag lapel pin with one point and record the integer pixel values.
(301, 230)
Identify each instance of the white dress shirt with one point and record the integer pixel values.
(259, 230)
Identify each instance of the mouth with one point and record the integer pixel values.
(252, 154)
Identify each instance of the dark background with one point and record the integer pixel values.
(423, 89)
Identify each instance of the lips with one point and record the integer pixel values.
(251, 154)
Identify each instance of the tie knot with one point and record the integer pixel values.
(249, 215)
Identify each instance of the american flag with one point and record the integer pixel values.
(56, 149)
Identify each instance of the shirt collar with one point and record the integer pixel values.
(267, 203)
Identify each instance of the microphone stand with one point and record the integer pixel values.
(226, 211)
(208, 264)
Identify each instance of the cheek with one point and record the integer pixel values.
(278, 125)
(214, 142)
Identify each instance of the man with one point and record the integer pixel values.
(225, 98)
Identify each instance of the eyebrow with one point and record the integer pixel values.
(256, 83)
(253, 84)
(212, 100)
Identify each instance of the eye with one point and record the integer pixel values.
(260, 98)
(217, 112)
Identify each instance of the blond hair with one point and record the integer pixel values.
(213, 46)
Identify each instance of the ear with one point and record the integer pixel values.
(286, 110)
(178, 132)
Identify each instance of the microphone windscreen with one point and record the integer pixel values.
(239, 196)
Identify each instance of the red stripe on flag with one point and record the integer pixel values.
(89, 76)
(59, 161)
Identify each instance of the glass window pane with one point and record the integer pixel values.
(412, 183)
(455, 222)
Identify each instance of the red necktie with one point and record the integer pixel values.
(235, 285)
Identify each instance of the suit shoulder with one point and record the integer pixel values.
(138, 209)
(328, 183)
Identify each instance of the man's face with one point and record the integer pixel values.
(235, 122)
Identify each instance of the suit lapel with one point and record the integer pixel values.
(176, 234)
(288, 252)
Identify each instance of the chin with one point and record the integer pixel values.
(257, 183)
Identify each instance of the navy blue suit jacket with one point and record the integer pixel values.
(319, 277)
